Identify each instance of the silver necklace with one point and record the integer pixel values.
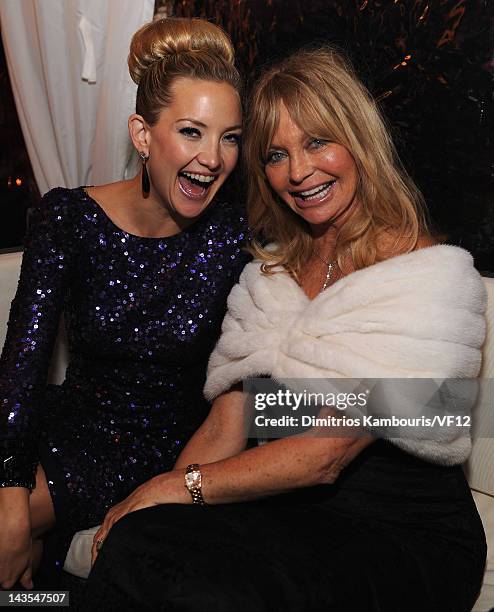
(329, 272)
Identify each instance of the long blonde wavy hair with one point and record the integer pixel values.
(327, 101)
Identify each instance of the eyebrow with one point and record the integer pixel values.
(203, 125)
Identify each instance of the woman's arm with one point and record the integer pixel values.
(276, 467)
(222, 435)
(32, 328)
(15, 538)
(231, 474)
(281, 465)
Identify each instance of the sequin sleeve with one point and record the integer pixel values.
(32, 328)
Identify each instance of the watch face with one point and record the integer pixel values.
(193, 480)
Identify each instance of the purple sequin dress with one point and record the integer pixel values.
(142, 316)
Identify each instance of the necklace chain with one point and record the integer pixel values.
(329, 272)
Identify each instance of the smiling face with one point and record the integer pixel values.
(316, 178)
(194, 145)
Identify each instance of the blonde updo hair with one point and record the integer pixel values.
(164, 50)
(327, 101)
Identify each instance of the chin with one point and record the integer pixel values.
(320, 216)
(316, 218)
(188, 208)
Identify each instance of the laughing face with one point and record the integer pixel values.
(194, 145)
(316, 178)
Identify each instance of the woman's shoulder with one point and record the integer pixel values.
(428, 250)
(426, 241)
(63, 196)
(390, 243)
(229, 219)
(61, 203)
(64, 214)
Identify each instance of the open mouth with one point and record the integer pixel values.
(195, 186)
(318, 193)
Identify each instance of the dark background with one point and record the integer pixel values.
(18, 189)
(429, 64)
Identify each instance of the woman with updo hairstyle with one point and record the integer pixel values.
(352, 302)
(141, 270)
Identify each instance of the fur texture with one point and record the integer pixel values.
(419, 315)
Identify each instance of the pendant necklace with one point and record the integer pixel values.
(329, 273)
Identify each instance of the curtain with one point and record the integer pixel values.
(67, 61)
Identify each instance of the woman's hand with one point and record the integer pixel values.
(15, 538)
(230, 474)
(165, 488)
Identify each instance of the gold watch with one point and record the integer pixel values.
(193, 483)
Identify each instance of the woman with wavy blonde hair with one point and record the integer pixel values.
(344, 304)
(391, 213)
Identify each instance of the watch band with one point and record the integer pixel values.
(193, 483)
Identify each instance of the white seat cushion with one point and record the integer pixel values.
(78, 560)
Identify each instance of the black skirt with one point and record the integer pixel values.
(393, 534)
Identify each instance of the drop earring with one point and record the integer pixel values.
(145, 176)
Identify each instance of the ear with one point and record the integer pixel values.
(139, 133)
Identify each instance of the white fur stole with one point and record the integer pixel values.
(418, 315)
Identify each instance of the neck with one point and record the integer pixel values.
(325, 241)
(326, 234)
(152, 215)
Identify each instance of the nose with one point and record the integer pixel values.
(300, 168)
(210, 156)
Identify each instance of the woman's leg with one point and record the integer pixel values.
(256, 557)
(182, 558)
(243, 557)
(42, 515)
